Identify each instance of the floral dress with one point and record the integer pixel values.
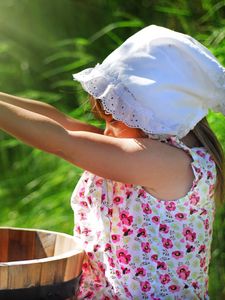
(141, 247)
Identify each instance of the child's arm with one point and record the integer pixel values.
(49, 111)
(118, 159)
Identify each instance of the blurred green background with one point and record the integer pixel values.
(41, 44)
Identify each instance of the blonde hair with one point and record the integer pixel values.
(207, 138)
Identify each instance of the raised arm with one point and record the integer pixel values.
(114, 158)
(49, 111)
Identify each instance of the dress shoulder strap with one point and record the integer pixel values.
(202, 159)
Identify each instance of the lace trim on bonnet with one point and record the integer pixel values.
(106, 82)
(121, 103)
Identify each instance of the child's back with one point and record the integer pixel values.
(141, 247)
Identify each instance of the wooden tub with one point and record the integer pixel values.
(38, 264)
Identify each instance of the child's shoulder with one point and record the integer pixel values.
(184, 168)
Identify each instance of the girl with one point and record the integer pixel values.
(144, 208)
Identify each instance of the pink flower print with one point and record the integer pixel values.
(128, 294)
(204, 212)
(180, 216)
(145, 286)
(177, 254)
(125, 218)
(145, 247)
(97, 286)
(90, 255)
(89, 295)
(103, 197)
(140, 272)
(89, 200)
(165, 278)
(77, 229)
(193, 210)
(117, 200)
(96, 247)
(174, 288)
(195, 285)
(105, 298)
(201, 249)
(190, 248)
(183, 272)
(142, 193)
(128, 185)
(86, 231)
(99, 182)
(115, 238)
(164, 228)
(85, 266)
(170, 205)
(111, 262)
(97, 279)
(110, 212)
(129, 193)
(86, 180)
(192, 237)
(127, 231)
(200, 153)
(141, 232)
(194, 198)
(146, 208)
(153, 298)
(167, 243)
(83, 203)
(161, 265)
(206, 224)
(81, 192)
(155, 219)
(125, 270)
(189, 234)
(209, 175)
(202, 262)
(123, 256)
(108, 248)
(118, 274)
(101, 266)
(83, 216)
(154, 257)
(198, 170)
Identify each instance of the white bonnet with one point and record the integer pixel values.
(158, 80)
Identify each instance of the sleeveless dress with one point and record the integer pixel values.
(141, 247)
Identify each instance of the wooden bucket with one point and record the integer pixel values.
(38, 264)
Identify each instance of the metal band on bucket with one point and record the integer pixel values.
(56, 291)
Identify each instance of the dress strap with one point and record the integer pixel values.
(197, 154)
(174, 140)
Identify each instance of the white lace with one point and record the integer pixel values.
(121, 103)
(204, 88)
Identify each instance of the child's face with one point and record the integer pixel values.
(119, 129)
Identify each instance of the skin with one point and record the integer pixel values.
(117, 154)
